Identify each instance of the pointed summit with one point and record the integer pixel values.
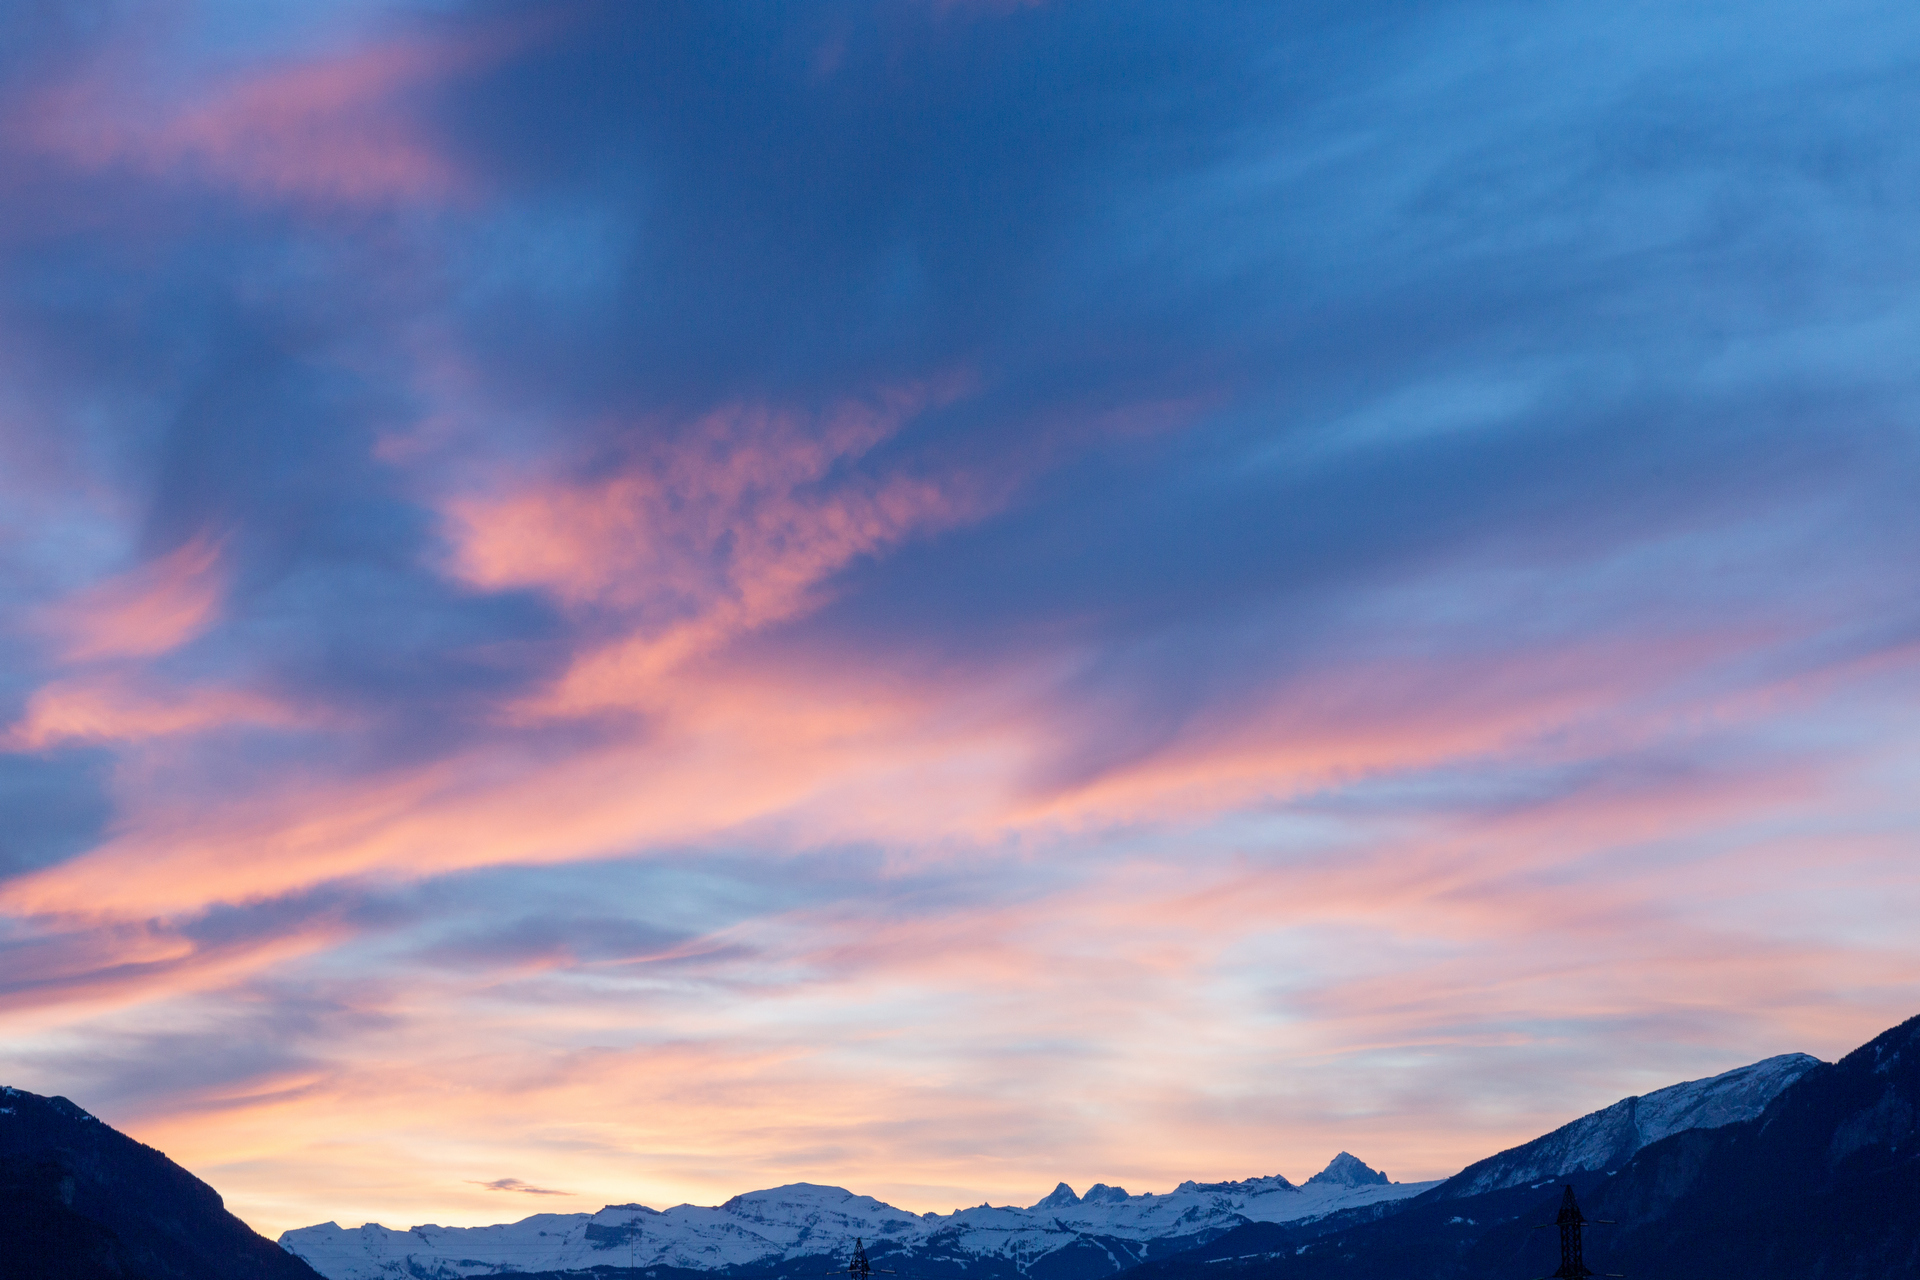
(1345, 1170)
(1061, 1197)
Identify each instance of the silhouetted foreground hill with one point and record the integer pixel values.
(82, 1201)
(1823, 1185)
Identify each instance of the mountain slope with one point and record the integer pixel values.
(82, 1201)
(1825, 1182)
(804, 1229)
(1850, 1135)
(1605, 1139)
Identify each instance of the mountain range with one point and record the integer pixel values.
(804, 1229)
(1786, 1169)
(773, 1232)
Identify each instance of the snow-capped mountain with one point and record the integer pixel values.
(1064, 1234)
(1608, 1138)
(1824, 1181)
(1347, 1171)
(765, 1235)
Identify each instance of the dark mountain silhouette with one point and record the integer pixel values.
(82, 1201)
(1824, 1183)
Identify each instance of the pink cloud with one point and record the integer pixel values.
(818, 753)
(145, 611)
(1116, 939)
(720, 754)
(119, 709)
(1126, 1027)
(902, 1052)
(81, 964)
(734, 500)
(335, 129)
(733, 525)
(1350, 716)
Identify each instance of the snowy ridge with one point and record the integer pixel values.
(1609, 1137)
(765, 1228)
(1347, 1171)
(1067, 1235)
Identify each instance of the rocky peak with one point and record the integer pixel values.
(1061, 1197)
(1346, 1170)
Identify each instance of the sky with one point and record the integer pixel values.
(612, 602)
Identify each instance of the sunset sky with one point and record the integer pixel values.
(659, 599)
